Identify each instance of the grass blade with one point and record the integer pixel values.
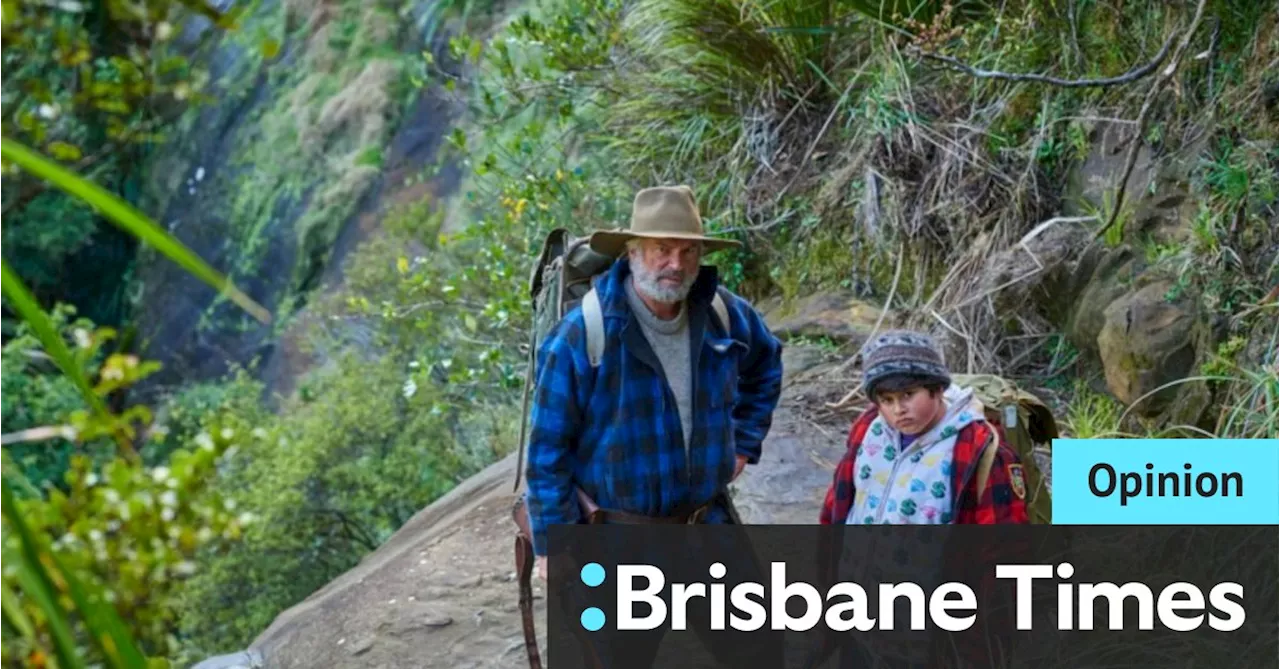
(23, 302)
(130, 220)
(13, 615)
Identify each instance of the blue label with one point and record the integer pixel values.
(1166, 482)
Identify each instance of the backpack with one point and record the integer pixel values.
(562, 278)
(1026, 424)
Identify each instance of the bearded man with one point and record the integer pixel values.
(682, 396)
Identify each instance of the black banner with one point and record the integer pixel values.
(1038, 596)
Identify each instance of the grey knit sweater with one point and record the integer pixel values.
(670, 342)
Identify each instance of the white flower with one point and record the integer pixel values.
(47, 111)
(228, 433)
(203, 440)
(160, 474)
(164, 30)
(82, 338)
(410, 388)
(199, 170)
(167, 514)
(169, 498)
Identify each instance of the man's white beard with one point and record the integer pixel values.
(647, 282)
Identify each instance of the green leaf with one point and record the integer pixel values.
(65, 152)
(23, 303)
(130, 220)
(13, 614)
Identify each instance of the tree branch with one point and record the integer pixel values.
(1144, 115)
(1127, 77)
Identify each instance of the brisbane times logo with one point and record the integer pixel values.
(645, 601)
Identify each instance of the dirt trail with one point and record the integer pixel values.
(442, 592)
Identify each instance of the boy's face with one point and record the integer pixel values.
(911, 411)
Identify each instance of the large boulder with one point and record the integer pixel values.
(1147, 342)
(839, 316)
(1114, 276)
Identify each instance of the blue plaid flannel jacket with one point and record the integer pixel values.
(615, 431)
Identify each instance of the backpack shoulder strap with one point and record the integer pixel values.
(988, 459)
(721, 310)
(594, 318)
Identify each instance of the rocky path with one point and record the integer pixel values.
(442, 592)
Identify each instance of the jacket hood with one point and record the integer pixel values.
(963, 408)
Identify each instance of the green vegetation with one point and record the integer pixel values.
(136, 530)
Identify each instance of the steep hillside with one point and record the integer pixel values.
(306, 146)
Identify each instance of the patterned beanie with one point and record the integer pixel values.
(901, 352)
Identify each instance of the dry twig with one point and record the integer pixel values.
(1128, 77)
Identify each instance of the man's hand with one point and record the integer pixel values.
(742, 463)
(541, 563)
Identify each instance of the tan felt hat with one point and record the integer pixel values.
(663, 212)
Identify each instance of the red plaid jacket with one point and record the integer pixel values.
(994, 506)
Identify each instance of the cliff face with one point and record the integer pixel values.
(314, 124)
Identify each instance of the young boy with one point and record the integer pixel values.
(913, 456)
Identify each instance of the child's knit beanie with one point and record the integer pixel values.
(901, 352)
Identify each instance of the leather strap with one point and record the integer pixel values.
(626, 518)
(524, 568)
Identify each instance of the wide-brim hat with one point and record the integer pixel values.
(662, 212)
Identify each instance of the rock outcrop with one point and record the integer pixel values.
(838, 316)
(1121, 304)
